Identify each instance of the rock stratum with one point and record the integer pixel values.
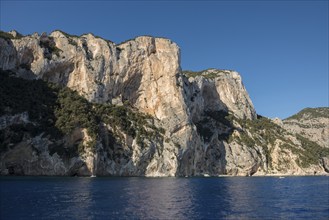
(83, 105)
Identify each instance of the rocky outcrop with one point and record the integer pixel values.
(153, 119)
(217, 90)
(312, 123)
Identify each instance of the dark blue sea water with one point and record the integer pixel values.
(164, 198)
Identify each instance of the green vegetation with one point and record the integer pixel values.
(52, 111)
(214, 120)
(67, 35)
(131, 39)
(8, 36)
(72, 42)
(133, 123)
(306, 126)
(50, 45)
(264, 133)
(72, 112)
(269, 132)
(203, 128)
(18, 95)
(70, 36)
(55, 112)
(189, 73)
(264, 127)
(260, 132)
(220, 116)
(311, 153)
(264, 130)
(211, 75)
(208, 74)
(108, 41)
(311, 113)
(32, 96)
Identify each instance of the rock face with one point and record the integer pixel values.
(217, 90)
(312, 123)
(199, 123)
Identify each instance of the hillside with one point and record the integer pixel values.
(312, 123)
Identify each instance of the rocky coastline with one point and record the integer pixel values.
(83, 106)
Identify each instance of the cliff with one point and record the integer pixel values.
(312, 123)
(82, 105)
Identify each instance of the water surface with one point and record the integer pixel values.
(164, 198)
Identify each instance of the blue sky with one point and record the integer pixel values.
(279, 47)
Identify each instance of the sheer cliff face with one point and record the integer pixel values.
(202, 114)
(214, 90)
(141, 71)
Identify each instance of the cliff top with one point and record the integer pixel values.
(210, 73)
(16, 35)
(308, 113)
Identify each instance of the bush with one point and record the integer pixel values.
(49, 44)
(133, 123)
(312, 152)
(312, 113)
(18, 95)
(192, 74)
(8, 36)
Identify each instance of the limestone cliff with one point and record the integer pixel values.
(140, 113)
(312, 123)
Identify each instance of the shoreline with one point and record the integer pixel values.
(159, 177)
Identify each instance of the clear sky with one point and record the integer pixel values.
(279, 47)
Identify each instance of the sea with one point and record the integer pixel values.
(164, 198)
